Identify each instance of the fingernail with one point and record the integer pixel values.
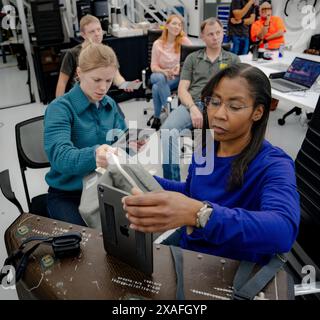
(127, 216)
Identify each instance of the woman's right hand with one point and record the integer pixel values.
(101, 152)
(176, 69)
(160, 210)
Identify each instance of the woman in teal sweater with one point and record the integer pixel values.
(77, 126)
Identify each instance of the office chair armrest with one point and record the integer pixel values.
(226, 46)
(145, 76)
(6, 189)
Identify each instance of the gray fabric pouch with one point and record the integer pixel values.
(89, 204)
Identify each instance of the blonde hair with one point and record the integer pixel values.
(87, 19)
(96, 55)
(179, 37)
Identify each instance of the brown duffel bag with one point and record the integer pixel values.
(93, 274)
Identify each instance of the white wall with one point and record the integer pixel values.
(195, 16)
(301, 23)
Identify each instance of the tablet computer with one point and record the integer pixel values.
(133, 85)
(132, 247)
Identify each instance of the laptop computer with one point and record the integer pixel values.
(132, 247)
(301, 75)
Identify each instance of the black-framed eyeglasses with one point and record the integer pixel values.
(213, 103)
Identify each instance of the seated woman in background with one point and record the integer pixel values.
(165, 64)
(75, 133)
(247, 206)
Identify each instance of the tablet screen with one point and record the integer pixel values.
(133, 85)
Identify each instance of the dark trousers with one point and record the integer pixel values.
(63, 205)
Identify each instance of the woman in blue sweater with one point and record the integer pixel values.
(247, 207)
(77, 126)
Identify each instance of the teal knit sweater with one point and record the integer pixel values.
(74, 128)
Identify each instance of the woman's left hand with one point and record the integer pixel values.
(160, 211)
(101, 152)
(176, 69)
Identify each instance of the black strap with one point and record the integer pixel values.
(178, 265)
(63, 245)
(245, 289)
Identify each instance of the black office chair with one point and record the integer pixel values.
(31, 154)
(306, 249)
(6, 189)
(153, 35)
(185, 51)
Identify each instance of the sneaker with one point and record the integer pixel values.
(156, 124)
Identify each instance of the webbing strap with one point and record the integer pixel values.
(245, 289)
(178, 265)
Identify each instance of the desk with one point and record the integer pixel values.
(95, 275)
(306, 99)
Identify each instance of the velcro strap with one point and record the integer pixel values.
(245, 289)
(178, 265)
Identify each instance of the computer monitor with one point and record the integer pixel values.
(101, 9)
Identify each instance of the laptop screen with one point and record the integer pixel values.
(303, 71)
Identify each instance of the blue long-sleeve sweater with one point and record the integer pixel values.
(253, 222)
(73, 129)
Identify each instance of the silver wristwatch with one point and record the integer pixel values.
(203, 215)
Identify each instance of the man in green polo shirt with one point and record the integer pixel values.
(198, 69)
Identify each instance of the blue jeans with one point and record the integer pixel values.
(240, 45)
(63, 205)
(161, 90)
(178, 119)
